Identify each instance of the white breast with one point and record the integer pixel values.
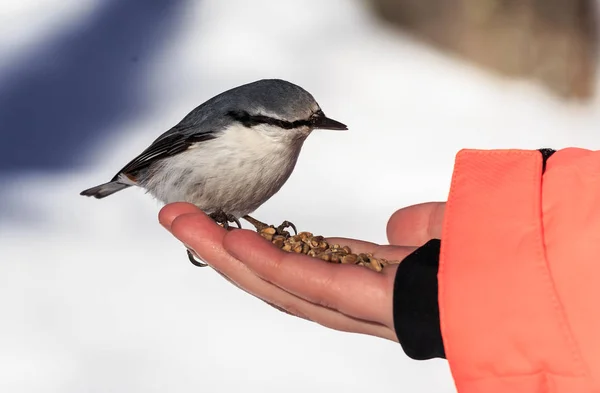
(236, 172)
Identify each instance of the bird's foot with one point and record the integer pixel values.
(261, 227)
(224, 219)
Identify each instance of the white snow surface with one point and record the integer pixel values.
(97, 297)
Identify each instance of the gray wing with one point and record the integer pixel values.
(169, 144)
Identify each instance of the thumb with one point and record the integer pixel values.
(417, 224)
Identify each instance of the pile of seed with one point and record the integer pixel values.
(317, 247)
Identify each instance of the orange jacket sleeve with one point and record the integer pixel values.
(519, 273)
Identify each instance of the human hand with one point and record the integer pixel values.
(342, 297)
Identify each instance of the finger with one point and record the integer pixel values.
(353, 244)
(201, 234)
(392, 253)
(352, 290)
(332, 319)
(197, 231)
(169, 212)
(417, 224)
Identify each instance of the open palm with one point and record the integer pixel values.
(342, 297)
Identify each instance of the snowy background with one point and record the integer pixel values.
(95, 296)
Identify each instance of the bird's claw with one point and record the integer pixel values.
(194, 261)
(224, 219)
(281, 229)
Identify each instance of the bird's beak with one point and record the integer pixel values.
(322, 122)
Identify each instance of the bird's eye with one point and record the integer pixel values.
(316, 116)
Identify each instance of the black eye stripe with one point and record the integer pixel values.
(252, 120)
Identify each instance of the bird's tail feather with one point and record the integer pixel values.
(104, 190)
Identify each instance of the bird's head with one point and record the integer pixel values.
(278, 108)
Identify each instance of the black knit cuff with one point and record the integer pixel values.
(416, 310)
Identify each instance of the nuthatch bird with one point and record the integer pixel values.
(230, 154)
